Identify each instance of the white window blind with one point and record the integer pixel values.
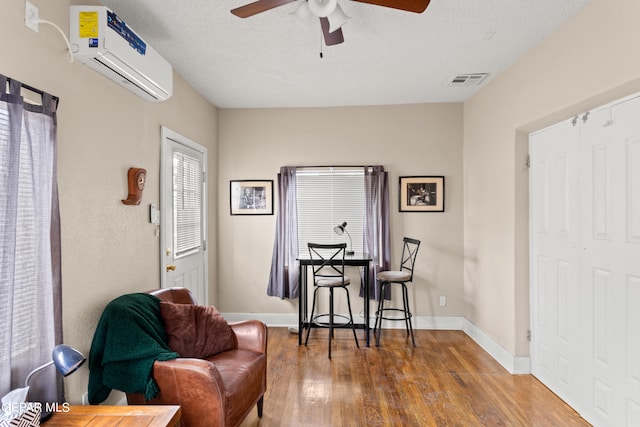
(187, 204)
(327, 197)
(18, 308)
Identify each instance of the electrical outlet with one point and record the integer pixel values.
(443, 301)
(31, 18)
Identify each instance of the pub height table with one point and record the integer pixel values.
(355, 260)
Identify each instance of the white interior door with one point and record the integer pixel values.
(611, 264)
(555, 263)
(183, 191)
(585, 262)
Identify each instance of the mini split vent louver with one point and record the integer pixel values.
(468, 80)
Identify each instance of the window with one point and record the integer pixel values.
(187, 204)
(19, 291)
(326, 197)
(312, 202)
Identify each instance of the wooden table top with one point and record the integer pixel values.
(122, 416)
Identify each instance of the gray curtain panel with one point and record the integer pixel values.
(30, 285)
(376, 227)
(283, 280)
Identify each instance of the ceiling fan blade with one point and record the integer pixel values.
(331, 39)
(258, 7)
(417, 6)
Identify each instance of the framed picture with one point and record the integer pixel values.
(421, 194)
(252, 197)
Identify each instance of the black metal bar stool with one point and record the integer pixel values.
(328, 273)
(402, 276)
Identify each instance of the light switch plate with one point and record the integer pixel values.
(154, 214)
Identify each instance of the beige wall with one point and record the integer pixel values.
(108, 248)
(589, 61)
(407, 140)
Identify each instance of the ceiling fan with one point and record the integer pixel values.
(331, 16)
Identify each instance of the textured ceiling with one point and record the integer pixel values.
(388, 57)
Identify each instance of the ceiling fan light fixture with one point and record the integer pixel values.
(304, 15)
(322, 8)
(337, 19)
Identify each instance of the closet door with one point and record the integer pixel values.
(556, 292)
(610, 148)
(585, 262)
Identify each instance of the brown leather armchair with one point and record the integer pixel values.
(219, 390)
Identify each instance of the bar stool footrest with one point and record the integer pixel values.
(314, 322)
(380, 314)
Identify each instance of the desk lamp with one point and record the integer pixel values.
(340, 229)
(66, 359)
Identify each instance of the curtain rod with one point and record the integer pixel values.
(34, 90)
(336, 166)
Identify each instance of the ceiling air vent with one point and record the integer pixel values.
(468, 80)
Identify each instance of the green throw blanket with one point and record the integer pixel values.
(129, 337)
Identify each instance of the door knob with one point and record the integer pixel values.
(171, 267)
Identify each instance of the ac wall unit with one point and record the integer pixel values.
(105, 43)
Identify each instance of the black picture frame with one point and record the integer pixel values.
(421, 194)
(251, 197)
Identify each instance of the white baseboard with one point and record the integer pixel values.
(271, 319)
(513, 364)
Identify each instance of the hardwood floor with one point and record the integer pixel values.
(447, 380)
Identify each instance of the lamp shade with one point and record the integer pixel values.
(340, 228)
(67, 359)
(304, 16)
(322, 8)
(337, 19)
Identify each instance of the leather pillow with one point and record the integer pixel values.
(195, 330)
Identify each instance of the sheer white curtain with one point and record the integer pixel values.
(30, 299)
